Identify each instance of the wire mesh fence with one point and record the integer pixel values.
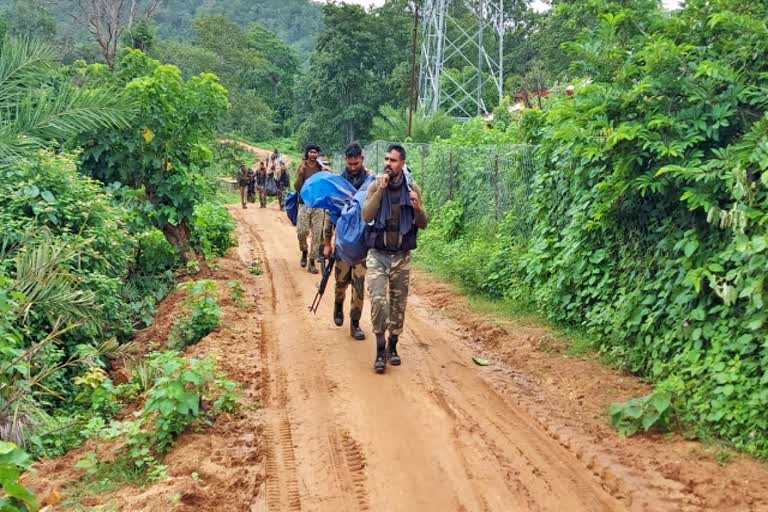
(490, 182)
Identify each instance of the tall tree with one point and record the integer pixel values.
(165, 151)
(106, 20)
(351, 72)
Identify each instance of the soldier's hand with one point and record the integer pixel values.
(383, 181)
(415, 200)
(327, 250)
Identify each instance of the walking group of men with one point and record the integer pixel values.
(268, 177)
(394, 213)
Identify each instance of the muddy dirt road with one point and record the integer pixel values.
(435, 434)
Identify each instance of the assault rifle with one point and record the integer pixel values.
(326, 267)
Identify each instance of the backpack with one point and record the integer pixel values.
(270, 186)
(292, 207)
(351, 246)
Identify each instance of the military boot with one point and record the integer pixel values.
(338, 314)
(303, 262)
(355, 331)
(394, 358)
(312, 267)
(380, 363)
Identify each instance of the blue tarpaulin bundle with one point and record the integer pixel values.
(327, 191)
(350, 230)
(344, 205)
(292, 207)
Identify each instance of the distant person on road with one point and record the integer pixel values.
(356, 174)
(261, 182)
(277, 157)
(252, 183)
(310, 220)
(244, 177)
(393, 206)
(283, 182)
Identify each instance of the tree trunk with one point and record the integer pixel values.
(178, 236)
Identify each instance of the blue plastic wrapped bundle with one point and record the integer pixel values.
(327, 191)
(292, 207)
(350, 230)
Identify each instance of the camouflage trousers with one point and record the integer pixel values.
(388, 279)
(347, 274)
(310, 221)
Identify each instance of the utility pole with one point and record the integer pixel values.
(412, 93)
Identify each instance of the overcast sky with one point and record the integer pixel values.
(537, 4)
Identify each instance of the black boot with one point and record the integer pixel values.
(338, 314)
(381, 354)
(312, 268)
(355, 331)
(303, 262)
(394, 358)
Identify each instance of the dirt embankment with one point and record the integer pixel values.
(527, 433)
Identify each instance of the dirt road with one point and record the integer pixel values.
(429, 435)
(318, 430)
(434, 434)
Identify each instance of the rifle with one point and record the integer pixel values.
(326, 267)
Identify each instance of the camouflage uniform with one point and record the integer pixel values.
(388, 271)
(310, 221)
(346, 273)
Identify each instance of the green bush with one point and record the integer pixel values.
(644, 221)
(16, 497)
(212, 230)
(202, 315)
(184, 391)
(155, 254)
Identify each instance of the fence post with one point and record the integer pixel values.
(496, 185)
(450, 174)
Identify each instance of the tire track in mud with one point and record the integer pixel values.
(345, 458)
(530, 469)
(282, 486)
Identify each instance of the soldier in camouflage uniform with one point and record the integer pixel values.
(357, 175)
(310, 220)
(393, 206)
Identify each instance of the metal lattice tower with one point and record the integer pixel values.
(450, 41)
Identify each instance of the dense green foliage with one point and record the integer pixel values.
(295, 21)
(361, 63)
(166, 149)
(253, 63)
(172, 403)
(178, 392)
(392, 124)
(82, 265)
(16, 497)
(644, 221)
(201, 315)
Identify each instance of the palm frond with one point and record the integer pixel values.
(68, 111)
(48, 287)
(37, 107)
(24, 64)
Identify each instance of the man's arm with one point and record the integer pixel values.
(299, 178)
(372, 201)
(420, 214)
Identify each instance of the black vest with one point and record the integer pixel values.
(376, 233)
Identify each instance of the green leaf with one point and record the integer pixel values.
(690, 248)
(649, 419)
(480, 362)
(661, 401)
(47, 196)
